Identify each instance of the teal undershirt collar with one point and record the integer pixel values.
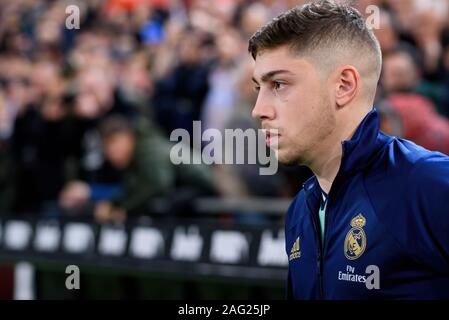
(322, 214)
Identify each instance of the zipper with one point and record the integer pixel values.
(321, 245)
(319, 256)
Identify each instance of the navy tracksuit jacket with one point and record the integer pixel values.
(387, 224)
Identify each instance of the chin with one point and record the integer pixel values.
(288, 159)
(289, 163)
(284, 158)
(119, 165)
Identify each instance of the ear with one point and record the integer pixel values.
(347, 86)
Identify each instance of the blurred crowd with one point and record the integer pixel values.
(86, 114)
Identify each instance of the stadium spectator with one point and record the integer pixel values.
(142, 155)
(402, 73)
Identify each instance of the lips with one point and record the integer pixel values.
(271, 137)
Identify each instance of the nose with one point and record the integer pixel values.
(263, 109)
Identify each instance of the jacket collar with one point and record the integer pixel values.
(358, 152)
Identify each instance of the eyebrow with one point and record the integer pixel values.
(269, 75)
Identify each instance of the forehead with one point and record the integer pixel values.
(280, 58)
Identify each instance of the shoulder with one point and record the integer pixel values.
(421, 175)
(403, 160)
(408, 189)
(428, 184)
(416, 164)
(433, 167)
(404, 168)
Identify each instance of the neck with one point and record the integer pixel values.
(326, 170)
(327, 160)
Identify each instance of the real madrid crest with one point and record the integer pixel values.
(355, 241)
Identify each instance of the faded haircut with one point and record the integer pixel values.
(324, 31)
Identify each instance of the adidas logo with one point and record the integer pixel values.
(295, 253)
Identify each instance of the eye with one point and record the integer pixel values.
(256, 88)
(277, 85)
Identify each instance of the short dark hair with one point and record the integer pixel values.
(115, 124)
(321, 24)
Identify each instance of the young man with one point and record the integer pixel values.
(373, 222)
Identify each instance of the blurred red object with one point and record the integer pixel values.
(113, 6)
(421, 122)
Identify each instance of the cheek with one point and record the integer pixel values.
(299, 109)
(116, 152)
(112, 152)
